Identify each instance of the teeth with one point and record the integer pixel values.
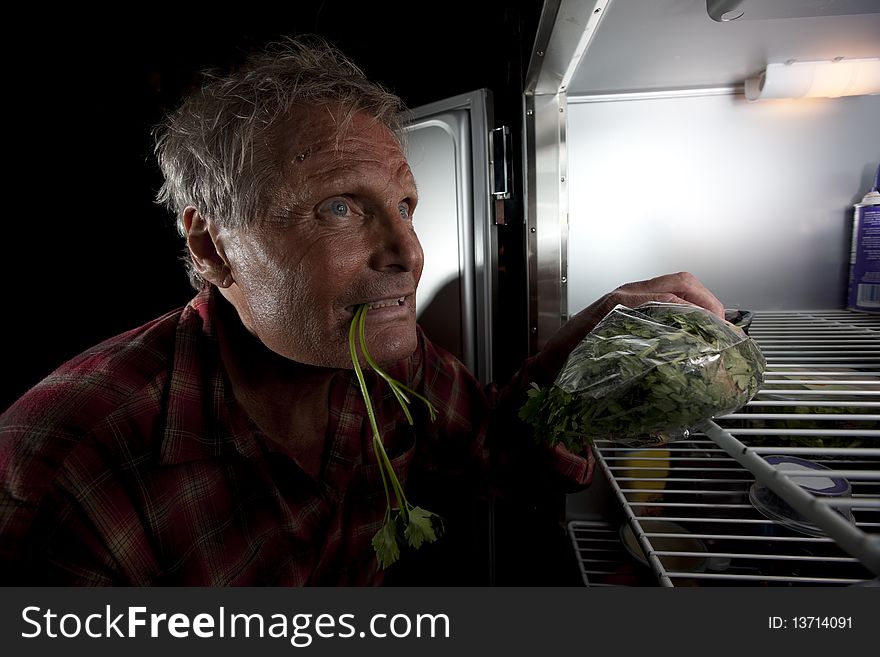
(386, 304)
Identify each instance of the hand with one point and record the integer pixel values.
(671, 288)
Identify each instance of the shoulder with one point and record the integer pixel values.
(431, 357)
(89, 386)
(40, 430)
(445, 380)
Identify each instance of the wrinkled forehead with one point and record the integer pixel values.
(327, 133)
(320, 152)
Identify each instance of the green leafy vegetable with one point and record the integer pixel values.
(403, 523)
(646, 376)
(420, 528)
(385, 541)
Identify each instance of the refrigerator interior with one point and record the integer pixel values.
(644, 157)
(754, 199)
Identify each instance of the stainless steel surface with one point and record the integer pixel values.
(822, 385)
(755, 199)
(646, 45)
(565, 32)
(547, 202)
(448, 150)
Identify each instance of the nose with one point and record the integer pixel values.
(396, 246)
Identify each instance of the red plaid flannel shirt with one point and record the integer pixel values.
(132, 464)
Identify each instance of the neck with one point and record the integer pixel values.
(288, 401)
(252, 365)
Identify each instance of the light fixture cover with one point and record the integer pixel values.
(829, 79)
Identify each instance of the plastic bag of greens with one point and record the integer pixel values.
(646, 377)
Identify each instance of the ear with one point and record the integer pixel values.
(207, 256)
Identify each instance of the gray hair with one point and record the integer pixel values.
(215, 150)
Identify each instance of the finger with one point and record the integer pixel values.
(695, 292)
(636, 300)
(683, 285)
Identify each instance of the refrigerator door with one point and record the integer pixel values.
(448, 147)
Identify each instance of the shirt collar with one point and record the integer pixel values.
(203, 421)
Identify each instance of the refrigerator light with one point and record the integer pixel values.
(828, 79)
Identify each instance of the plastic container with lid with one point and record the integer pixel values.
(775, 508)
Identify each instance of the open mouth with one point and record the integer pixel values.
(387, 303)
(382, 303)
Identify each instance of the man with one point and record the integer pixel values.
(227, 443)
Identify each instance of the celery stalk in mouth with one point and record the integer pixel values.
(403, 522)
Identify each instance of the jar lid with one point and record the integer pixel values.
(775, 508)
(829, 485)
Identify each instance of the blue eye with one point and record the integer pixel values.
(403, 208)
(338, 207)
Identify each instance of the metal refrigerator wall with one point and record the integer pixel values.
(754, 198)
(447, 147)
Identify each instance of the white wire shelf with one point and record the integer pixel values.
(820, 402)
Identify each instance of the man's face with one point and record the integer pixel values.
(338, 234)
